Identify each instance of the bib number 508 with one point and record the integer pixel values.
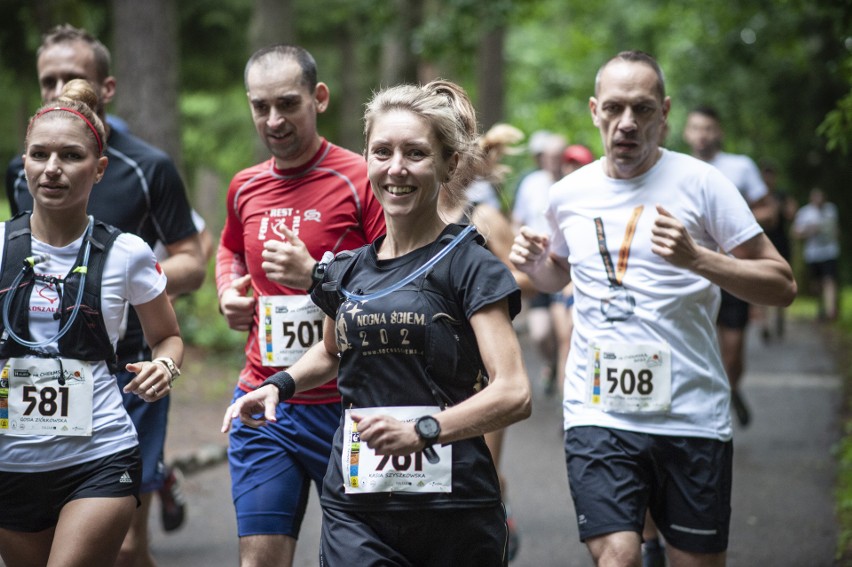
(629, 382)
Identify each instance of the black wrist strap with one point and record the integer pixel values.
(284, 382)
(316, 276)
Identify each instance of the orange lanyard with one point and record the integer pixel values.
(616, 275)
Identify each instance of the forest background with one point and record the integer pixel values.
(779, 72)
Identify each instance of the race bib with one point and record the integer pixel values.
(289, 326)
(48, 396)
(629, 378)
(365, 472)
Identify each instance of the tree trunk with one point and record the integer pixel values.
(399, 62)
(349, 101)
(272, 21)
(490, 79)
(146, 60)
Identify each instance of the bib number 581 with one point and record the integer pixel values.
(49, 400)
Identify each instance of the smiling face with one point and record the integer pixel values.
(630, 114)
(406, 166)
(61, 162)
(284, 110)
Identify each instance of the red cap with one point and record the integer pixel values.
(578, 153)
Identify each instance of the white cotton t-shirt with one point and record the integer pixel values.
(531, 200)
(672, 305)
(824, 244)
(131, 275)
(743, 172)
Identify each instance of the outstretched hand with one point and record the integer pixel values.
(529, 250)
(263, 401)
(152, 381)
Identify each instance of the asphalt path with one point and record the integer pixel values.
(784, 474)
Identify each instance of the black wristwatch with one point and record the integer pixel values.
(319, 269)
(428, 429)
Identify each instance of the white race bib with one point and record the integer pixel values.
(38, 404)
(289, 326)
(629, 378)
(366, 472)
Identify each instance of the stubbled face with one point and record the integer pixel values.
(703, 134)
(630, 115)
(284, 110)
(63, 62)
(61, 162)
(405, 164)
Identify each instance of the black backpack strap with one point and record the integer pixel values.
(16, 248)
(90, 318)
(339, 268)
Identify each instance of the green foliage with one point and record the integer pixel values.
(218, 133)
(843, 489)
(213, 42)
(837, 126)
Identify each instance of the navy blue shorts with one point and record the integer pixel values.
(476, 537)
(272, 466)
(151, 421)
(541, 300)
(31, 502)
(685, 482)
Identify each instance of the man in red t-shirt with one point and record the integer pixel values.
(285, 214)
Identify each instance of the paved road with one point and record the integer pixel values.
(783, 477)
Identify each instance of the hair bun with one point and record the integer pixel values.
(82, 91)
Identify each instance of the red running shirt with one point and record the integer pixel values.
(327, 202)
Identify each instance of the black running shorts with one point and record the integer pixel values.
(31, 502)
(685, 482)
(476, 537)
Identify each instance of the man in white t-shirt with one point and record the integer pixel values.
(528, 210)
(703, 133)
(648, 237)
(817, 224)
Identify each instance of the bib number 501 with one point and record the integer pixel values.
(304, 333)
(49, 400)
(629, 382)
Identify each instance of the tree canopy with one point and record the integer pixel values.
(779, 71)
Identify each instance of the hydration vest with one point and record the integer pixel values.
(450, 349)
(87, 338)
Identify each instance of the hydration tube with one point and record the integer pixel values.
(28, 264)
(410, 278)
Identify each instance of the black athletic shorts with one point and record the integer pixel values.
(476, 537)
(31, 502)
(733, 312)
(820, 270)
(685, 482)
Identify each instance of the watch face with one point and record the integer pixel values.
(428, 427)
